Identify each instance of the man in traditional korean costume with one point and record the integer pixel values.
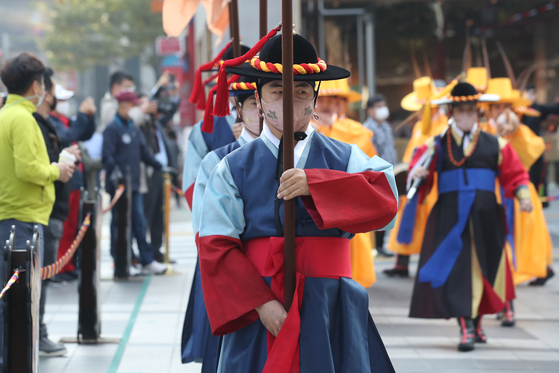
(464, 272)
(198, 343)
(338, 192)
(201, 143)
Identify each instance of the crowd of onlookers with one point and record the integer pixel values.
(50, 156)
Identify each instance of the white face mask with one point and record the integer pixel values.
(63, 107)
(41, 99)
(382, 113)
(327, 119)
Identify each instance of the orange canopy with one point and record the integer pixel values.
(178, 13)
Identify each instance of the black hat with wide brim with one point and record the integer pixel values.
(303, 53)
(464, 93)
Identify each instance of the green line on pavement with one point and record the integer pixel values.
(122, 345)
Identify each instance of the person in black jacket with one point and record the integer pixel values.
(52, 232)
(124, 146)
(159, 146)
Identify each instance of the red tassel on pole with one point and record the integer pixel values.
(198, 89)
(221, 108)
(201, 104)
(208, 125)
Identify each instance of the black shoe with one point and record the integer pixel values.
(480, 334)
(397, 272)
(64, 277)
(161, 259)
(467, 334)
(386, 254)
(508, 315)
(543, 280)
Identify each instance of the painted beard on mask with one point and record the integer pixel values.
(302, 112)
(251, 120)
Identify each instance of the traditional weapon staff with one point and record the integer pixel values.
(288, 146)
(234, 27)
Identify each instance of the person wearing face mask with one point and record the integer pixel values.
(52, 231)
(201, 143)
(198, 343)
(124, 147)
(27, 174)
(463, 264)
(377, 114)
(338, 191)
(70, 130)
(331, 109)
(121, 81)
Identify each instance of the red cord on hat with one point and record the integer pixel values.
(208, 125)
(221, 102)
(198, 89)
(201, 104)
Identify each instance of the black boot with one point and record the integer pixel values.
(467, 334)
(401, 267)
(508, 315)
(381, 251)
(543, 280)
(480, 334)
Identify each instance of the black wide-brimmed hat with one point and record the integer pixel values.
(306, 64)
(465, 93)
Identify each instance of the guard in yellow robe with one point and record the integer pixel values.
(529, 241)
(332, 104)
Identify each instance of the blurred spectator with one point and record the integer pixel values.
(69, 130)
(52, 231)
(123, 82)
(124, 148)
(160, 147)
(377, 114)
(27, 175)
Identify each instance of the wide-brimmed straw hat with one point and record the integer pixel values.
(338, 88)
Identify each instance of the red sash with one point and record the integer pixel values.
(327, 257)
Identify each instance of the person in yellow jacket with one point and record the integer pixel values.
(331, 108)
(531, 242)
(26, 175)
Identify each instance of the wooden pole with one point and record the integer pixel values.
(263, 32)
(234, 27)
(263, 18)
(288, 146)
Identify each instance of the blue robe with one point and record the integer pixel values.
(198, 343)
(337, 333)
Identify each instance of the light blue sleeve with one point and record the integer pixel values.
(360, 162)
(223, 212)
(196, 150)
(206, 167)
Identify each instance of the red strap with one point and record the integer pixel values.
(314, 257)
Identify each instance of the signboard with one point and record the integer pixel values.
(165, 46)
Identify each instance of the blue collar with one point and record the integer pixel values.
(130, 123)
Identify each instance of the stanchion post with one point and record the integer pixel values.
(89, 313)
(23, 308)
(123, 249)
(167, 217)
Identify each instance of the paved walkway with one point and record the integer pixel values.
(147, 314)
